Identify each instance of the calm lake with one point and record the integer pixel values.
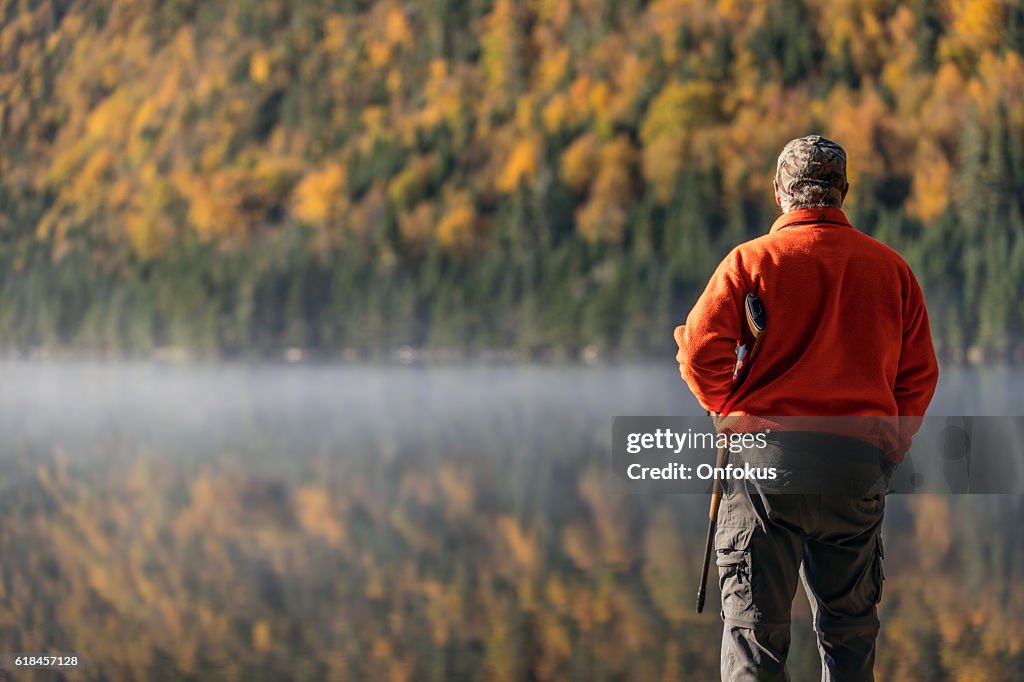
(410, 523)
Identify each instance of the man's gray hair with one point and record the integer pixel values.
(811, 173)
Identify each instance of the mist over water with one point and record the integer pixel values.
(339, 403)
(346, 409)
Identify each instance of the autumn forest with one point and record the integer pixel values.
(546, 176)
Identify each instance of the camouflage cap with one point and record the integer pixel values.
(813, 161)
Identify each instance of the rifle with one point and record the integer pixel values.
(756, 323)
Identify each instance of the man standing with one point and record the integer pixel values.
(849, 336)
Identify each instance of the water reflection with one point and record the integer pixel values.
(402, 523)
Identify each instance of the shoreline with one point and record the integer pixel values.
(591, 355)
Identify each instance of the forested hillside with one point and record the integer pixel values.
(542, 175)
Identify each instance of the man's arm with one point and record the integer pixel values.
(918, 370)
(707, 342)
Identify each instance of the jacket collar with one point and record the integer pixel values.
(811, 216)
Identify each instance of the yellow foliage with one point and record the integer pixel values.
(942, 115)
(374, 126)
(552, 68)
(665, 16)
(261, 637)
(581, 545)
(86, 189)
(501, 48)
(259, 66)
(557, 642)
(901, 34)
(276, 173)
(598, 98)
(184, 46)
(1000, 78)
(110, 118)
(931, 183)
(579, 91)
(394, 81)
(335, 35)
(732, 10)
(521, 164)
(146, 218)
(379, 53)
(438, 70)
(143, 116)
(442, 99)
(555, 593)
(416, 227)
(315, 513)
(976, 25)
(579, 161)
(600, 220)
(617, 159)
(932, 525)
(521, 545)
(555, 11)
(370, 212)
(662, 161)
(408, 186)
(603, 218)
(398, 30)
(457, 227)
(855, 121)
(320, 196)
(679, 107)
(215, 203)
(458, 490)
(557, 112)
(631, 76)
(525, 113)
(110, 75)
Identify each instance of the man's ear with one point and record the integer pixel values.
(845, 190)
(778, 195)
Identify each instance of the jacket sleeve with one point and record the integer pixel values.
(918, 370)
(707, 342)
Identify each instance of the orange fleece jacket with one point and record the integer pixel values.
(847, 330)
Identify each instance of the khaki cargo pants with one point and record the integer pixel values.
(833, 543)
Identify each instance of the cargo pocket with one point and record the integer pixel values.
(735, 577)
